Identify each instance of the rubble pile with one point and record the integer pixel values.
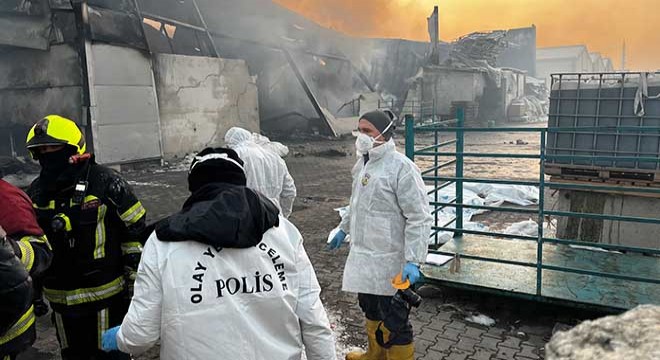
(478, 46)
(632, 335)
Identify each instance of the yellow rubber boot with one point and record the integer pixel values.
(374, 351)
(401, 352)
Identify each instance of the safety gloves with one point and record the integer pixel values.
(109, 341)
(411, 272)
(336, 241)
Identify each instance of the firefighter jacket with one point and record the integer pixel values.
(24, 253)
(93, 221)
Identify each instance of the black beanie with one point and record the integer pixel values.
(380, 120)
(216, 165)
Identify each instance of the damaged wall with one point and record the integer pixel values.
(391, 63)
(446, 85)
(36, 83)
(200, 98)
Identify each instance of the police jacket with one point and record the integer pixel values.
(226, 278)
(94, 237)
(389, 221)
(24, 255)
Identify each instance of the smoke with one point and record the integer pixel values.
(602, 25)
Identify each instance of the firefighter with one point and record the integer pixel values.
(93, 221)
(24, 256)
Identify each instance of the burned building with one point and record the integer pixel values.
(91, 61)
(146, 79)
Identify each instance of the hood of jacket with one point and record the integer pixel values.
(221, 215)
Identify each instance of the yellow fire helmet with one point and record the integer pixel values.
(55, 130)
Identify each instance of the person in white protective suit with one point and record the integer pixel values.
(266, 172)
(225, 278)
(389, 221)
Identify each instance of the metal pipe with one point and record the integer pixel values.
(604, 217)
(603, 246)
(481, 155)
(460, 144)
(489, 208)
(438, 167)
(410, 137)
(485, 233)
(482, 258)
(541, 217)
(601, 274)
(437, 146)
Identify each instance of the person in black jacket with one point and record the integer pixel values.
(93, 221)
(24, 256)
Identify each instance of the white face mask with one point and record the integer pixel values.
(364, 143)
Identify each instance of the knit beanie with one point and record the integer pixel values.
(380, 120)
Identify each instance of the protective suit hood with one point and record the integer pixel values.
(221, 215)
(237, 136)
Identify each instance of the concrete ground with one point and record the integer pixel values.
(321, 169)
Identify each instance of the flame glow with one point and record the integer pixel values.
(602, 25)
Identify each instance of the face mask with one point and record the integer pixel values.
(364, 143)
(55, 161)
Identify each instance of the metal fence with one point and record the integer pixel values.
(449, 156)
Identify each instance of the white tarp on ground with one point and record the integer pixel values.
(530, 228)
(473, 194)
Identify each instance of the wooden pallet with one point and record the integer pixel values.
(624, 185)
(630, 177)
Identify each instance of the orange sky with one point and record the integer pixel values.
(602, 25)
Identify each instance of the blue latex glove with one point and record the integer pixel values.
(411, 272)
(336, 241)
(109, 341)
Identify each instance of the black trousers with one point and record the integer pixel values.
(80, 333)
(379, 308)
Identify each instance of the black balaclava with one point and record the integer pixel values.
(227, 167)
(56, 161)
(56, 172)
(380, 120)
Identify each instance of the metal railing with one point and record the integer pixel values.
(454, 137)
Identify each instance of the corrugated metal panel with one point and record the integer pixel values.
(27, 68)
(29, 105)
(34, 83)
(60, 5)
(25, 7)
(24, 31)
(116, 27)
(118, 5)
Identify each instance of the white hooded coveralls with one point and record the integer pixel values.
(389, 221)
(266, 171)
(240, 304)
